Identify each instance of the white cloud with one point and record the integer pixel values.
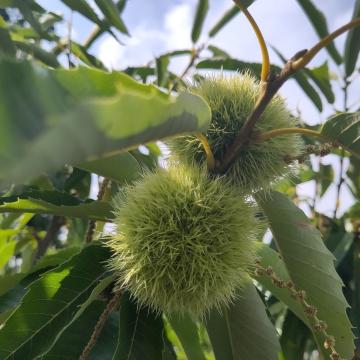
(177, 25)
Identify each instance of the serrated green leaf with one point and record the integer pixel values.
(187, 332)
(269, 257)
(200, 14)
(228, 15)
(56, 203)
(318, 21)
(311, 268)
(352, 43)
(111, 13)
(141, 335)
(54, 117)
(49, 304)
(237, 332)
(344, 129)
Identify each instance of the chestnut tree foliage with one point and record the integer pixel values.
(67, 123)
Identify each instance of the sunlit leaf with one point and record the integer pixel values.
(50, 303)
(51, 118)
(56, 203)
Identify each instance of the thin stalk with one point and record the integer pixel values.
(286, 131)
(265, 70)
(209, 154)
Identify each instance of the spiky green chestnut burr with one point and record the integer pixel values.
(232, 100)
(184, 242)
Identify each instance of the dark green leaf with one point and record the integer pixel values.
(187, 332)
(217, 52)
(56, 203)
(343, 247)
(325, 177)
(6, 45)
(162, 74)
(311, 268)
(38, 53)
(237, 332)
(111, 13)
(344, 129)
(26, 11)
(352, 44)
(321, 77)
(34, 6)
(302, 80)
(201, 11)
(294, 337)
(319, 23)
(229, 14)
(74, 339)
(50, 304)
(82, 7)
(122, 168)
(88, 59)
(54, 117)
(353, 174)
(141, 333)
(105, 347)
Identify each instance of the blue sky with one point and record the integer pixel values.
(157, 26)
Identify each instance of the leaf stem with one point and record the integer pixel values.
(264, 51)
(285, 131)
(209, 154)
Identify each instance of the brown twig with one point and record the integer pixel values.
(92, 223)
(55, 224)
(269, 90)
(110, 307)
(319, 150)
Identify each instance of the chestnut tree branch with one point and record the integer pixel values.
(269, 90)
